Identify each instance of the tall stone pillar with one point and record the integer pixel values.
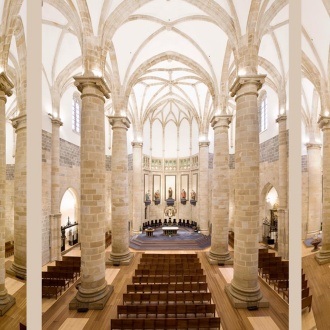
(55, 217)
(94, 291)
(324, 255)
(6, 300)
(314, 188)
(137, 187)
(120, 253)
(18, 267)
(244, 290)
(203, 193)
(219, 253)
(282, 211)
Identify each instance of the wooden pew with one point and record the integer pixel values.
(156, 298)
(173, 272)
(48, 291)
(306, 302)
(157, 288)
(166, 310)
(167, 323)
(170, 267)
(169, 279)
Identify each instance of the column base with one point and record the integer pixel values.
(323, 257)
(119, 259)
(81, 302)
(312, 234)
(220, 259)
(136, 232)
(6, 303)
(17, 271)
(240, 299)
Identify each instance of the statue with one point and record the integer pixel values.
(148, 196)
(193, 195)
(170, 192)
(157, 195)
(183, 194)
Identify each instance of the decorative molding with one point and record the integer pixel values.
(258, 80)
(6, 85)
(88, 80)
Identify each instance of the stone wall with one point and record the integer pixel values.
(9, 206)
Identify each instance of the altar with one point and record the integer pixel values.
(167, 231)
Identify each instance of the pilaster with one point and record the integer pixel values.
(244, 290)
(324, 255)
(55, 217)
(137, 187)
(282, 211)
(6, 300)
(203, 192)
(219, 253)
(93, 291)
(18, 267)
(314, 165)
(120, 253)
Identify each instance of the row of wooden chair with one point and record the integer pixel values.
(57, 278)
(173, 287)
(169, 272)
(9, 249)
(168, 323)
(167, 287)
(159, 223)
(161, 256)
(177, 310)
(167, 279)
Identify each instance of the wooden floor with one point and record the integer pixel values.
(58, 316)
(318, 277)
(17, 313)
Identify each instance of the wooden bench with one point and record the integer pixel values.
(166, 310)
(306, 302)
(74, 269)
(156, 298)
(169, 256)
(169, 267)
(157, 288)
(167, 323)
(171, 272)
(55, 282)
(60, 275)
(169, 279)
(48, 291)
(169, 262)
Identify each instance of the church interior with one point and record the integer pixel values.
(165, 139)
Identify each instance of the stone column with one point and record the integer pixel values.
(18, 267)
(94, 291)
(203, 184)
(314, 188)
(138, 205)
(6, 300)
(55, 217)
(120, 253)
(324, 255)
(244, 290)
(282, 211)
(219, 253)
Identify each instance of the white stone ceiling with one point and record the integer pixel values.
(173, 55)
(315, 65)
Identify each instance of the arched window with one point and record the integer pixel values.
(262, 105)
(76, 106)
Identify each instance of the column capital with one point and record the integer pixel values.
(257, 79)
(281, 118)
(19, 122)
(221, 121)
(137, 144)
(6, 85)
(204, 143)
(313, 145)
(119, 122)
(91, 81)
(324, 122)
(54, 120)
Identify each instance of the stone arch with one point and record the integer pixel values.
(265, 206)
(76, 206)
